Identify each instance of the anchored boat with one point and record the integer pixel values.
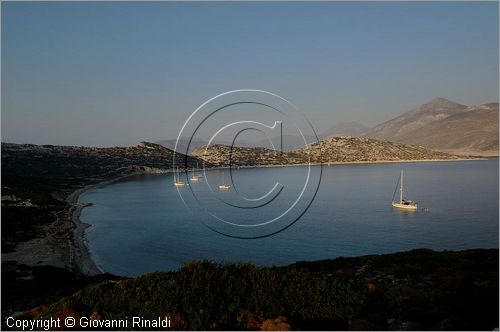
(194, 176)
(403, 203)
(224, 186)
(177, 180)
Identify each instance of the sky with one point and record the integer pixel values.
(115, 73)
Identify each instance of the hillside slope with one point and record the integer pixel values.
(360, 149)
(224, 155)
(447, 126)
(79, 162)
(336, 149)
(472, 132)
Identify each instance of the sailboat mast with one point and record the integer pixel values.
(401, 189)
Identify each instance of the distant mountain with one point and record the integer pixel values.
(335, 149)
(446, 126)
(440, 124)
(352, 128)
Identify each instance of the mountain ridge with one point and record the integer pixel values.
(446, 126)
(439, 124)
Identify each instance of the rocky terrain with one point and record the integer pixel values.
(332, 150)
(447, 126)
(224, 155)
(360, 149)
(78, 162)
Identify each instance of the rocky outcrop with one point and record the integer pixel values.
(332, 150)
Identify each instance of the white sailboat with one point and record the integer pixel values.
(198, 175)
(224, 186)
(403, 203)
(194, 176)
(177, 180)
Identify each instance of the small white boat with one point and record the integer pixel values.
(224, 186)
(193, 177)
(198, 175)
(177, 180)
(403, 203)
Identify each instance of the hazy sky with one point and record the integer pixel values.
(107, 74)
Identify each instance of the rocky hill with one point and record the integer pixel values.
(224, 155)
(445, 125)
(336, 149)
(360, 149)
(78, 162)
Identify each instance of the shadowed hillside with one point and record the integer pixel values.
(416, 290)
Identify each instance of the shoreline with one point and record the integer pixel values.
(80, 255)
(340, 163)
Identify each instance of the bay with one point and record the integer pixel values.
(141, 224)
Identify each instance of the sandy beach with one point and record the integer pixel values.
(79, 253)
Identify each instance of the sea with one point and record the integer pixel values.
(282, 215)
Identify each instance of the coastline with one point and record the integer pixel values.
(340, 163)
(79, 252)
(80, 256)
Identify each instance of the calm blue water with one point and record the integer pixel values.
(141, 225)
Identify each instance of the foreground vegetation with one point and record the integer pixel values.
(416, 290)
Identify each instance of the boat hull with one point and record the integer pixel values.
(411, 207)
